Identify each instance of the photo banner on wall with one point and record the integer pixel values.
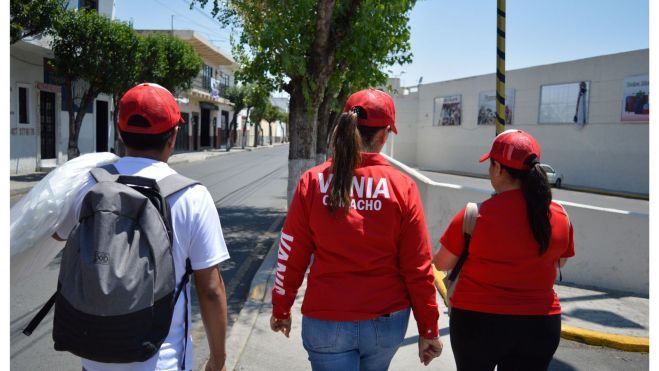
(447, 111)
(564, 103)
(487, 111)
(636, 98)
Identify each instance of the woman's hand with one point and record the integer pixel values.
(429, 349)
(283, 325)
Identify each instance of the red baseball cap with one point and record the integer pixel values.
(152, 102)
(377, 107)
(512, 147)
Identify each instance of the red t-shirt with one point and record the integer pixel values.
(504, 273)
(375, 261)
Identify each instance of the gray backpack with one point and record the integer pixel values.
(117, 287)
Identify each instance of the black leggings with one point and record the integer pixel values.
(512, 342)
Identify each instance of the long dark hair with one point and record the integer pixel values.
(537, 194)
(348, 141)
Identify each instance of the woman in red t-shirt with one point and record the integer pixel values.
(362, 220)
(504, 308)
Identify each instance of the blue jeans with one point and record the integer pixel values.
(354, 345)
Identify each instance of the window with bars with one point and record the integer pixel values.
(206, 75)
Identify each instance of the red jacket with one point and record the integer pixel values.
(375, 261)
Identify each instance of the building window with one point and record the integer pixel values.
(88, 4)
(206, 75)
(23, 108)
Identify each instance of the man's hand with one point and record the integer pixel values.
(429, 349)
(212, 365)
(283, 325)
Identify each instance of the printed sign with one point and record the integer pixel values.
(636, 98)
(487, 107)
(447, 111)
(564, 103)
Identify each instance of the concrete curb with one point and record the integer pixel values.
(242, 328)
(621, 342)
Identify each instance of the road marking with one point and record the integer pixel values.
(597, 208)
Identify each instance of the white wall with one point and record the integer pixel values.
(24, 138)
(606, 153)
(611, 246)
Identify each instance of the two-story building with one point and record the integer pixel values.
(204, 107)
(38, 117)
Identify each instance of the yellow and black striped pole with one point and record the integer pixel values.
(501, 66)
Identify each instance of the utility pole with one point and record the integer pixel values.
(172, 25)
(501, 67)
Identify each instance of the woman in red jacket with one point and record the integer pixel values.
(363, 222)
(504, 308)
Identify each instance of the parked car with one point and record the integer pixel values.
(555, 178)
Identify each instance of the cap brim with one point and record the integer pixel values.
(484, 157)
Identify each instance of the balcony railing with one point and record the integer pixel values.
(204, 85)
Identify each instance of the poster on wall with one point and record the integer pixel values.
(487, 107)
(447, 111)
(636, 99)
(564, 103)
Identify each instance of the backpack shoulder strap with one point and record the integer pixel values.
(106, 173)
(469, 221)
(174, 183)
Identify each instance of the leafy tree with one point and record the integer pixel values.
(272, 114)
(237, 95)
(257, 100)
(33, 17)
(297, 46)
(162, 58)
(92, 52)
(168, 60)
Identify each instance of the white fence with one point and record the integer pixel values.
(612, 246)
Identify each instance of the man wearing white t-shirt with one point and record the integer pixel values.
(148, 124)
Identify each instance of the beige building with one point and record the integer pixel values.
(204, 107)
(595, 133)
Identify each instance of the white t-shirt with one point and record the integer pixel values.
(197, 235)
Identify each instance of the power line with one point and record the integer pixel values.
(183, 16)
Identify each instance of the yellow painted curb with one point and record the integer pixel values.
(621, 342)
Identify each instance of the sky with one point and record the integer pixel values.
(455, 39)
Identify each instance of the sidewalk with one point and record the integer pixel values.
(590, 315)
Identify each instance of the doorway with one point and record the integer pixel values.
(205, 128)
(182, 135)
(47, 113)
(101, 126)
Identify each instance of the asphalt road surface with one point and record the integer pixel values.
(249, 190)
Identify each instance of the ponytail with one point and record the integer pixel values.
(346, 148)
(537, 194)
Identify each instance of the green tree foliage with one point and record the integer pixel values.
(257, 100)
(161, 58)
(96, 55)
(93, 52)
(304, 46)
(168, 60)
(33, 17)
(237, 95)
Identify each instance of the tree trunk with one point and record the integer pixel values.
(75, 124)
(119, 148)
(302, 150)
(270, 132)
(256, 134)
(323, 127)
(243, 140)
